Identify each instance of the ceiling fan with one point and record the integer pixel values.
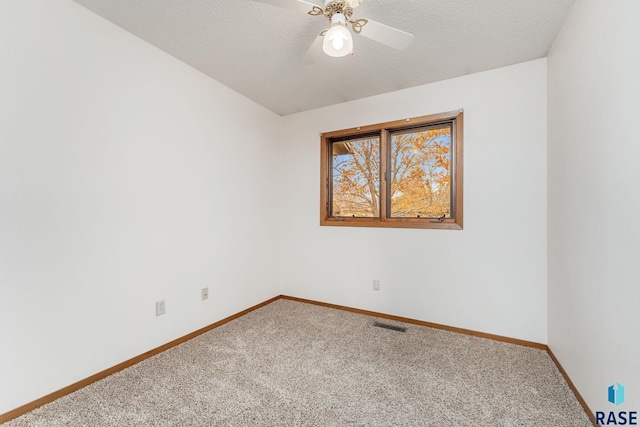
(337, 41)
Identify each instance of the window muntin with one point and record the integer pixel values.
(417, 182)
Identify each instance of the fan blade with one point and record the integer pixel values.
(314, 52)
(297, 5)
(387, 35)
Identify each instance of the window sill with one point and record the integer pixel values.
(391, 223)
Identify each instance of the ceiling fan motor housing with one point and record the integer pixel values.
(342, 7)
(337, 6)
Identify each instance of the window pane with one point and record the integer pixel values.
(420, 173)
(356, 177)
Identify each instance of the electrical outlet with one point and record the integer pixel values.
(161, 308)
(376, 285)
(204, 294)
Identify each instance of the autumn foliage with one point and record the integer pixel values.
(419, 185)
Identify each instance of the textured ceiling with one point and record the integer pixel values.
(256, 49)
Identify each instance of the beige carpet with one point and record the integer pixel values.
(295, 364)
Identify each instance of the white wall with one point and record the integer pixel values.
(489, 277)
(594, 202)
(125, 177)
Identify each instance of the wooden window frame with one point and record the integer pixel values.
(384, 129)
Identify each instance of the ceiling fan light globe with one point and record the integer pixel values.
(338, 41)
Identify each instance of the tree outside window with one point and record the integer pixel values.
(397, 174)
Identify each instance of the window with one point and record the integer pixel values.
(406, 173)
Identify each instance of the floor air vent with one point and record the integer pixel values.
(391, 327)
